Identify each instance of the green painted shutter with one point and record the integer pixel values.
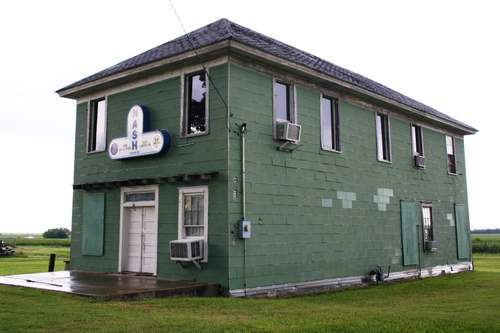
(409, 236)
(93, 224)
(462, 233)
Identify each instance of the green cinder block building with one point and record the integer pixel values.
(226, 156)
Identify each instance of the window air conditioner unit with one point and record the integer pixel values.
(186, 249)
(430, 246)
(287, 131)
(419, 161)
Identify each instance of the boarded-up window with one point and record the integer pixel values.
(463, 244)
(409, 237)
(93, 224)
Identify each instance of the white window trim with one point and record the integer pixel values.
(180, 228)
(184, 101)
(413, 146)
(124, 190)
(321, 96)
(293, 101)
(379, 153)
(89, 110)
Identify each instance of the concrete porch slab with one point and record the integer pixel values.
(109, 286)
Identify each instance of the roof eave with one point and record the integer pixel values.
(304, 70)
(74, 92)
(206, 51)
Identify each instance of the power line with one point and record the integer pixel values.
(212, 83)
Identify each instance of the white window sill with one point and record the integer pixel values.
(331, 150)
(186, 136)
(96, 152)
(384, 161)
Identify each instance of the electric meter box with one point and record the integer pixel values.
(245, 229)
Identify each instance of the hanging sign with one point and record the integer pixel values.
(139, 141)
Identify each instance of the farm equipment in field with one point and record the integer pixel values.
(6, 250)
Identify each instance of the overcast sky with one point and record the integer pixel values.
(445, 54)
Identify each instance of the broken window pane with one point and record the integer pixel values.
(196, 91)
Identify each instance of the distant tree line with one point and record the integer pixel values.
(486, 231)
(57, 233)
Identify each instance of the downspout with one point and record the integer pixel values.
(228, 185)
(420, 252)
(243, 130)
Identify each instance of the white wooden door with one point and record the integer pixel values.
(141, 239)
(149, 240)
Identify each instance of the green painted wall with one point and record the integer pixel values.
(108, 262)
(295, 238)
(186, 155)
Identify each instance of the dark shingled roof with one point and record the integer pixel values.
(224, 29)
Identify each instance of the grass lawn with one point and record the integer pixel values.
(29, 259)
(468, 302)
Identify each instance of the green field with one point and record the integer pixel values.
(468, 302)
(32, 239)
(486, 243)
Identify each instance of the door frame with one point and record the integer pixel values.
(123, 205)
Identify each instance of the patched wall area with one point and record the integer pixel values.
(319, 214)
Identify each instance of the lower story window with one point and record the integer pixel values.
(193, 213)
(427, 222)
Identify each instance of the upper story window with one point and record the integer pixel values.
(428, 230)
(284, 108)
(193, 215)
(383, 137)
(330, 126)
(450, 153)
(195, 117)
(417, 140)
(96, 125)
